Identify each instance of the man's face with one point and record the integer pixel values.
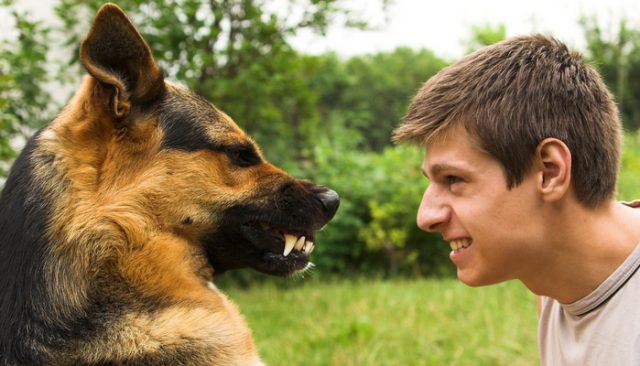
(492, 230)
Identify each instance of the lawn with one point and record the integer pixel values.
(397, 322)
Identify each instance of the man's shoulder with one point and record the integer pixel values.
(608, 334)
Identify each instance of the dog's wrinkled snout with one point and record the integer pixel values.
(330, 201)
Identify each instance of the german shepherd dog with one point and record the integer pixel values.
(116, 215)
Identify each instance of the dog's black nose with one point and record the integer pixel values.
(330, 201)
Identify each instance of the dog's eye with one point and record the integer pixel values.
(243, 155)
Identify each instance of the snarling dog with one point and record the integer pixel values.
(116, 215)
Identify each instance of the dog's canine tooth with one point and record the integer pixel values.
(300, 243)
(289, 242)
(308, 247)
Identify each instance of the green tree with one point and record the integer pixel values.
(7, 122)
(617, 56)
(485, 35)
(24, 103)
(369, 94)
(237, 54)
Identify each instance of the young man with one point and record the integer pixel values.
(522, 146)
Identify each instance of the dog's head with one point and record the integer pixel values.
(190, 169)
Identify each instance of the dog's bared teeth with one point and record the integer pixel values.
(299, 243)
(289, 243)
(308, 247)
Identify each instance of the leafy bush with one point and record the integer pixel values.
(7, 121)
(24, 103)
(375, 228)
(629, 181)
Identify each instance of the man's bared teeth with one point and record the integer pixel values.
(458, 245)
(289, 243)
(299, 243)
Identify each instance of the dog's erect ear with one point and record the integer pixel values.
(118, 57)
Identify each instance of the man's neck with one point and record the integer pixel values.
(583, 248)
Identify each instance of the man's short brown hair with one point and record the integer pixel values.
(512, 95)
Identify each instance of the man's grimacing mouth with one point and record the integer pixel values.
(458, 245)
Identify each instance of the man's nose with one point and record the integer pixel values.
(433, 213)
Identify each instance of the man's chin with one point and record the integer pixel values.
(474, 279)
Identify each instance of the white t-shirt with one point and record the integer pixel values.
(601, 329)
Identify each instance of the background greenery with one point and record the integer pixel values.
(329, 119)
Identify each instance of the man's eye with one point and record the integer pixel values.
(452, 179)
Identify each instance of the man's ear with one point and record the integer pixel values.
(117, 56)
(553, 159)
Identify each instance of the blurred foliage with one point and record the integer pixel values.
(375, 228)
(235, 53)
(24, 102)
(485, 35)
(629, 181)
(7, 122)
(369, 94)
(320, 117)
(616, 54)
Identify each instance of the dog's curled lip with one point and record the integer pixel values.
(270, 238)
(279, 265)
(271, 247)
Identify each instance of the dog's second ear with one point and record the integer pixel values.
(118, 57)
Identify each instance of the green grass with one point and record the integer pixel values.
(398, 322)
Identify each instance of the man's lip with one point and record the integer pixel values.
(461, 257)
(452, 238)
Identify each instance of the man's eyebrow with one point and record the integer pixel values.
(437, 169)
